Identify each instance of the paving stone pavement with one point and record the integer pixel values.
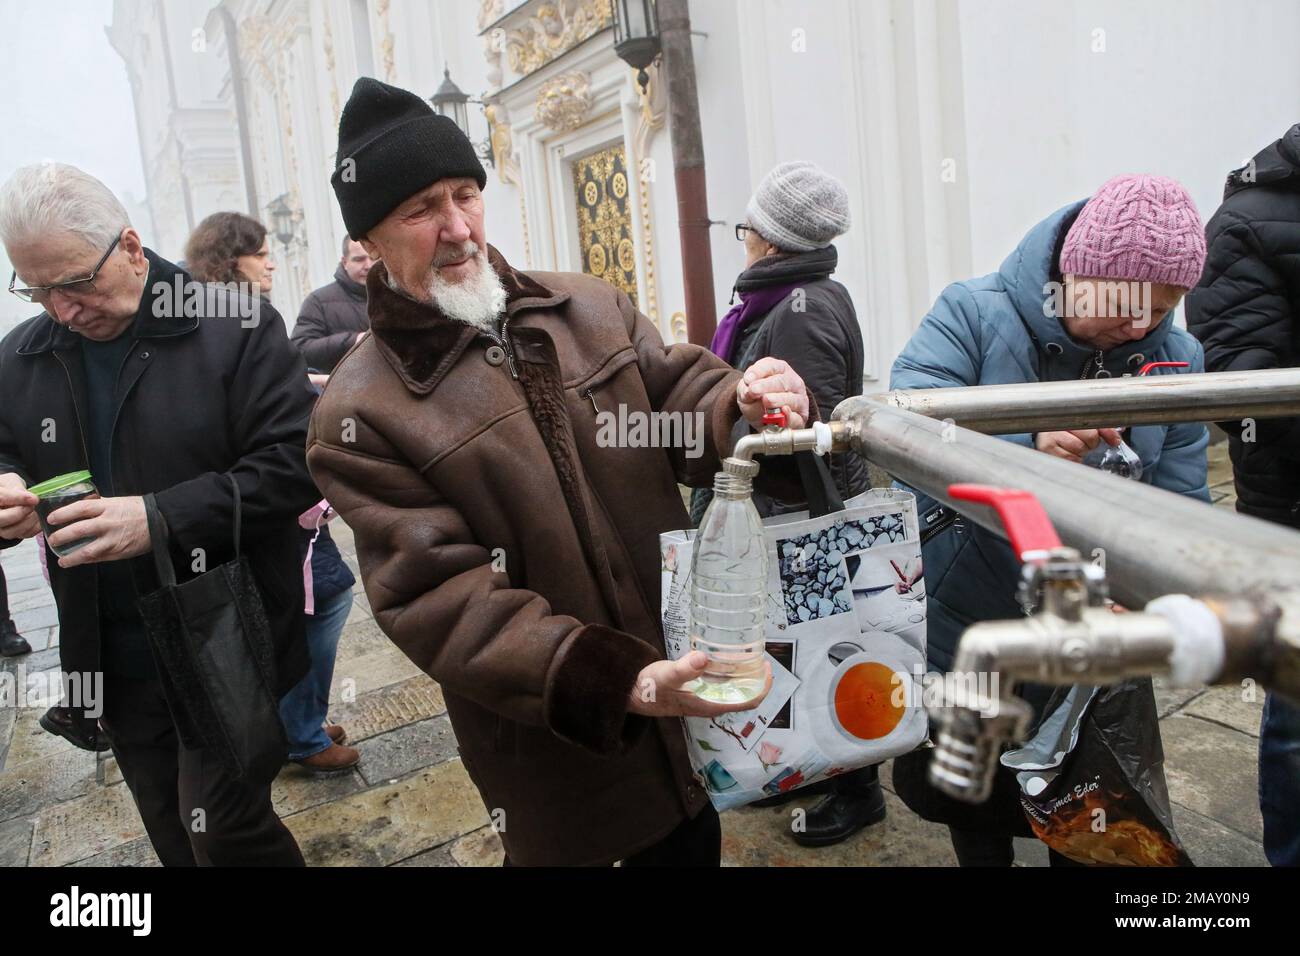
(410, 803)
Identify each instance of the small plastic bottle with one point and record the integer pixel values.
(1121, 459)
(1116, 459)
(728, 590)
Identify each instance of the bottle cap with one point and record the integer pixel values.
(739, 467)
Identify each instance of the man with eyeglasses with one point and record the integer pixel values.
(119, 376)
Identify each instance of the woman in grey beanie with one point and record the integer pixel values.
(799, 207)
(791, 308)
(789, 305)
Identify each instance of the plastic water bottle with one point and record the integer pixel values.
(728, 592)
(1116, 459)
(1121, 459)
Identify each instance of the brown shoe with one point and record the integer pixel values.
(336, 733)
(333, 759)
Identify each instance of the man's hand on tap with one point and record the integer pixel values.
(771, 383)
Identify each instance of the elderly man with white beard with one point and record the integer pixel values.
(510, 554)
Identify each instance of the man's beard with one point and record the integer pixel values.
(477, 300)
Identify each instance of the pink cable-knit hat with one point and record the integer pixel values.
(1137, 229)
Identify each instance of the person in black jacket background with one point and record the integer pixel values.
(791, 308)
(231, 247)
(165, 389)
(1246, 312)
(333, 318)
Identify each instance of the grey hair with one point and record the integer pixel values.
(49, 198)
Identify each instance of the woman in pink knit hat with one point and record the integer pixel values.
(1090, 292)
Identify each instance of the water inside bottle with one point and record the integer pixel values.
(729, 629)
(729, 600)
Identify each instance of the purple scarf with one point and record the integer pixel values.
(753, 305)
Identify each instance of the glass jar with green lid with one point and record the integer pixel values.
(56, 492)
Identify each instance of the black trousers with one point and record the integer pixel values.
(696, 842)
(863, 782)
(194, 813)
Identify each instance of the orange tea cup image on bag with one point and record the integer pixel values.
(868, 699)
(56, 492)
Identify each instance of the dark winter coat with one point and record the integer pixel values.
(817, 332)
(199, 399)
(329, 321)
(1246, 312)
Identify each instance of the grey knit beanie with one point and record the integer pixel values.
(799, 207)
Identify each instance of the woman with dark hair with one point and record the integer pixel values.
(230, 247)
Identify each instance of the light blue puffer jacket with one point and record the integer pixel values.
(993, 331)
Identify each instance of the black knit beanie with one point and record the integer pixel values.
(391, 145)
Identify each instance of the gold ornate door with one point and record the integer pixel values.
(601, 192)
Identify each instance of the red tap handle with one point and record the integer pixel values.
(1028, 527)
(1150, 365)
(774, 416)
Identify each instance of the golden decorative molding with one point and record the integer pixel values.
(267, 50)
(488, 12)
(653, 107)
(604, 217)
(329, 65)
(564, 101)
(386, 47)
(523, 221)
(677, 324)
(492, 54)
(284, 106)
(653, 111)
(554, 29)
(252, 36)
(503, 151)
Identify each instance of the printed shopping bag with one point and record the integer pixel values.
(845, 637)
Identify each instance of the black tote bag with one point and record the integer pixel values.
(818, 484)
(821, 497)
(211, 640)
